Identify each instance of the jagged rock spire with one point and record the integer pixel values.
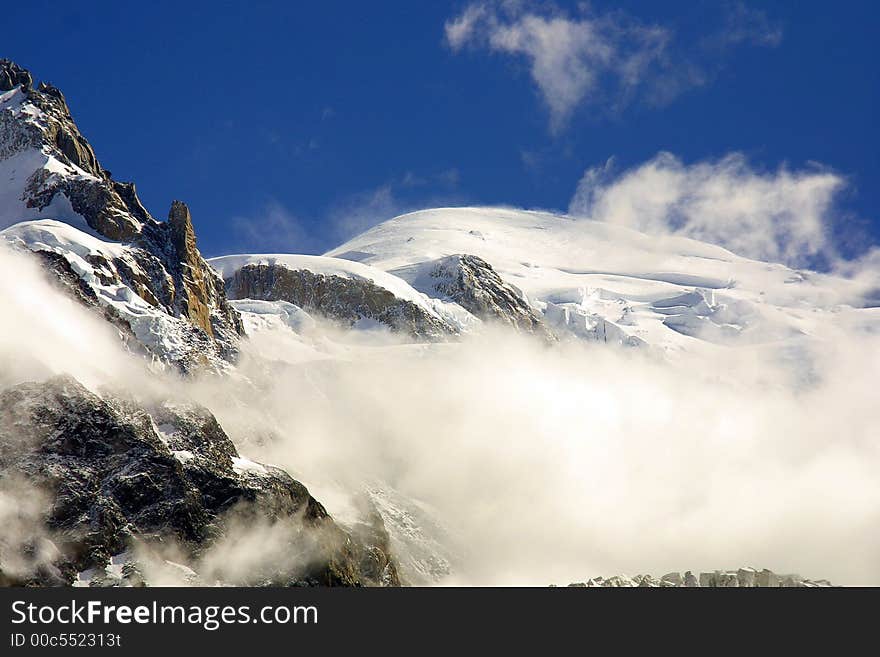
(12, 75)
(194, 280)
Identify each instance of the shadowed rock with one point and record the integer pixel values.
(117, 474)
(473, 284)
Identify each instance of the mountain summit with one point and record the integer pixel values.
(95, 234)
(477, 394)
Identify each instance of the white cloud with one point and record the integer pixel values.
(460, 30)
(596, 58)
(865, 271)
(357, 212)
(361, 211)
(568, 57)
(744, 24)
(780, 215)
(45, 332)
(545, 474)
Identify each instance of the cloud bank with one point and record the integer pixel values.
(782, 216)
(554, 465)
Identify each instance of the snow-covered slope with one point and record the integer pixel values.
(355, 294)
(609, 283)
(109, 273)
(17, 171)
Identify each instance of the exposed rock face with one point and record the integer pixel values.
(163, 264)
(12, 75)
(425, 549)
(343, 300)
(193, 280)
(473, 284)
(744, 577)
(199, 294)
(117, 475)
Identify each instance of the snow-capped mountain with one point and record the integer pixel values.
(597, 281)
(57, 200)
(429, 379)
(560, 277)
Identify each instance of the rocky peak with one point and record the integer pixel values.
(57, 171)
(179, 216)
(109, 473)
(13, 75)
(183, 236)
(44, 123)
(473, 284)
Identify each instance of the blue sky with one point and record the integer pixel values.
(288, 126)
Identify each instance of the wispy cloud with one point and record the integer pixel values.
(273, 229)
(358, 212)
(596, 59)
(780, 215)
(745, 25)
(446, 178)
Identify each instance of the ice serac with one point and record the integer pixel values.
(51, 174)
(116, 476)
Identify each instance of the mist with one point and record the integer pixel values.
(555, 464)
(536, 464)
(44, 332)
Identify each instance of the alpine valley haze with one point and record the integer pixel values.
(455, 395)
